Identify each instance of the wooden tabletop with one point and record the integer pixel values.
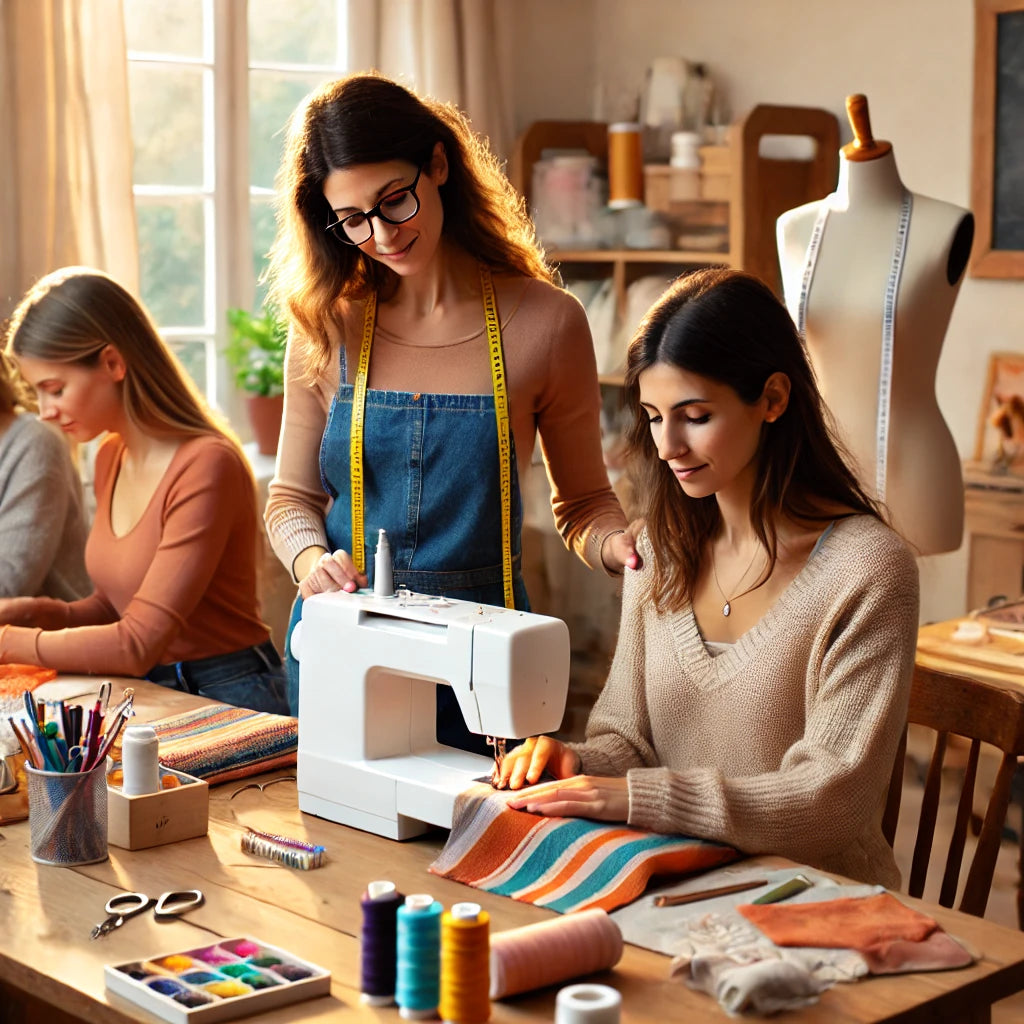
(48, 912)
(998, 658)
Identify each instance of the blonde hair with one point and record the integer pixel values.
(72, 314)
(16, 395)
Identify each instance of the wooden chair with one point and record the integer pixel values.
(955, 705)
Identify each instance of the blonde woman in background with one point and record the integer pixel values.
(42, 518)
(174, 544)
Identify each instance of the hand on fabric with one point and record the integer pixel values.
(330, 573)
(599, 797)
(526, 763)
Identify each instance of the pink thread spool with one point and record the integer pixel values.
(527, 958)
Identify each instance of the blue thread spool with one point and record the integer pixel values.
(378, 966)
(418, 988)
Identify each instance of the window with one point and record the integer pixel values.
(212, 84)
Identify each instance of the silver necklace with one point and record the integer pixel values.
(727, 607)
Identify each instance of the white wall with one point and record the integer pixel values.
(913, 59)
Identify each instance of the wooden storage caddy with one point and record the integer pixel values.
(153, 819)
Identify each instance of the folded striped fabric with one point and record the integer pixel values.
(220, 742)
(564, 864)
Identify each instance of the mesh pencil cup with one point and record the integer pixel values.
(67, 816)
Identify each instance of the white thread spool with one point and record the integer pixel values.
(587, 1004)
(140, 760)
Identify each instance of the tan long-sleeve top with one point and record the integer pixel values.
(553, 391)
(783, 743)
(181, 584)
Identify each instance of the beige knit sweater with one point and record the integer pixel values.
(784, 743)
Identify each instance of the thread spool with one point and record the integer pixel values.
(140, 760)
(588, 1004)
(551, 951)
(465, 965)
(418, 943)
(625, 165)
(378, 964)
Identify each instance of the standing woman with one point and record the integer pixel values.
(42, 517)
(760, 682)
(410, 269)
(173, 547)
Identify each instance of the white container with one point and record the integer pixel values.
(686, 150)
(140, 760)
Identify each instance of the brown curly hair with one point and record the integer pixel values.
(367, 118)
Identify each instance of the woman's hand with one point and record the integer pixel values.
(526, 763)
(601, 798)
(330, 573)
(619, 551)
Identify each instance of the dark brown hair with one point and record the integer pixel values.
(730, 327)
(367, 118)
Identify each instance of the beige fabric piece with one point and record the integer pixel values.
(66, 191)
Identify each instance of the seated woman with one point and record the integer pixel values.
(174, 544)
(760, 683)
(42, 518)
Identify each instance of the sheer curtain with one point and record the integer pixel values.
(66, 183)
(448, 49)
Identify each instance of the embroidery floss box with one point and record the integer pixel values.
(233, 978)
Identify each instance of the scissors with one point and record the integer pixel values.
(127, 904)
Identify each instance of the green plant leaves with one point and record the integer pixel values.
(255, 351)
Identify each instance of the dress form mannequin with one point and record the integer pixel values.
(881, 388)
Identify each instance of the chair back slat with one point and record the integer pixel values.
(959, 706)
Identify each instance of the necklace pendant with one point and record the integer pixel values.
(726, 608)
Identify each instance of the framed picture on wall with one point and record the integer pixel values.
(997, 173)
(999, 446)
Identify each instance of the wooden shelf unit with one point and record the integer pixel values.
(762, 188)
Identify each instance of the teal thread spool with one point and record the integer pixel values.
(418, 980)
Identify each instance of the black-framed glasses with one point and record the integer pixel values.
(395, 208)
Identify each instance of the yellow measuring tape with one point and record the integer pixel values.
(497, 363)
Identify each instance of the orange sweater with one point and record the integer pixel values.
(181, 584)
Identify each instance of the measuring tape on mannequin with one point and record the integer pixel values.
(496, 360)
(892, 289)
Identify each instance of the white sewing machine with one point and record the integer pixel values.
(368, 756)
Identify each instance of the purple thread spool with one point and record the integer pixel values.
(380, 905)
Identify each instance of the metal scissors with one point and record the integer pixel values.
(127, 904)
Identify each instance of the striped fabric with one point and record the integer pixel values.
(220, 742)
(564, 864)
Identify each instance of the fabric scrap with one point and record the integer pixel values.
(220, 742)
(564, 864)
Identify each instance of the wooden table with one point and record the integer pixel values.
(51, 972)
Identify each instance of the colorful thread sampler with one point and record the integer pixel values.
(17, 679)
(564, 864)
(234, 978)
(220, 742)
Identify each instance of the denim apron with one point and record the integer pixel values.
(432, 481)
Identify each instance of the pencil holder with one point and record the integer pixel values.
(67, 816)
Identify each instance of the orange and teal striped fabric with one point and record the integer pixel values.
(564, 864)
(220, 742)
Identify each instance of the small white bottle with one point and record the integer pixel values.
(383, 577)
(140, 760)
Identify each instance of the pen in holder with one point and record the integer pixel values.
(67, 815)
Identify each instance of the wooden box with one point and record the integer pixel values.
(153, 819)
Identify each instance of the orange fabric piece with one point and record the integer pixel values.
(866, 923)
(16, 679)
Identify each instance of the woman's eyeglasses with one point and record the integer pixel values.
(395, 208)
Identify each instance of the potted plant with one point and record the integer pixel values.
(255, 355)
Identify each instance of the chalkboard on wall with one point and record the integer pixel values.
(998, 139)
